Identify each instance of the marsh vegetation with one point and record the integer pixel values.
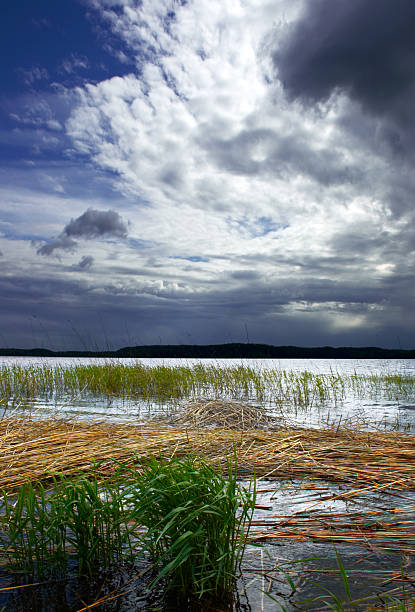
(165, 387)
(175, 504)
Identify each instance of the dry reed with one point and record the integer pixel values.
(372, 462)
(226, 414)
(390, 530)
(38, 449)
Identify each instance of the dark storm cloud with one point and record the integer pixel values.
(365, 48)
(97, 223)
(92, 224)
(144, 316)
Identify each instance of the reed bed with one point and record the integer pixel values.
(184, 520)
(39, 449)
(167, 384)
(370, 462)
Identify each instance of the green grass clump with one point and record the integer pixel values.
(197, 524)
(41, 530)
(191, 522)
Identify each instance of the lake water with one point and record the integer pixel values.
(367, 409)
(379, 408)
(319, 366)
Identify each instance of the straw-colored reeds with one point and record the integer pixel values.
(226, 414)
(37, 449)
(366, 462)
(390, 530)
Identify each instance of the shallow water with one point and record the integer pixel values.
(298, 560)
(374, 408)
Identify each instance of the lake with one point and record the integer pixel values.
(374, 406)
(377, 403)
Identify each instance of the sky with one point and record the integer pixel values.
(207, 171)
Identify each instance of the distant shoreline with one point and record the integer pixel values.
(224, 351)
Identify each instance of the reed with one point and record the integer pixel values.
(197, 524)
(41, 528)
(190, 519)
(39, 449)
(367, 462)
(165, 384)
(372, 462)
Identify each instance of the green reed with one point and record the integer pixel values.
(168, 384)
(197, 525)
(41, 529)
(192, 522)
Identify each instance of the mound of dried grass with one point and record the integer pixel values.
(226, 414)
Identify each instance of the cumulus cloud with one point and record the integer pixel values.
(91, 224)
(96, 224)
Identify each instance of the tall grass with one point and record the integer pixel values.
(41, 530)
(191, 521)
(166, 385)
(197, 526)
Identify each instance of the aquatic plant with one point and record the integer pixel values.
(197, 525)
(190, 519)
(166, 385)
(41, 529)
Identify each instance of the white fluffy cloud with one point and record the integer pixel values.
(233, 190)
(202, 133)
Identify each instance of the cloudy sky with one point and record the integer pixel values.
(205, 171)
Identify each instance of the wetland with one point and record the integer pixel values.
(329, 446)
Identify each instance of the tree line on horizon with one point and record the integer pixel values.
(224, 351)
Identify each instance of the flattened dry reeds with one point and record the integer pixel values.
(226, 414)
(37, 449)
(391, 530)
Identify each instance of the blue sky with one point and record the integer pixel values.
(180, 172)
